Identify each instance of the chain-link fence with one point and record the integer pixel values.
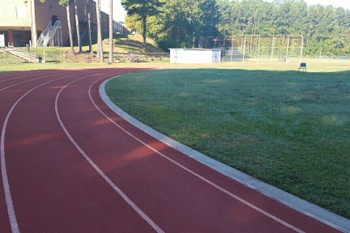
(258, 47)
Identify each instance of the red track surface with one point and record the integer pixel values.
(70, 164)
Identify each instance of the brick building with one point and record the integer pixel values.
(23, 21)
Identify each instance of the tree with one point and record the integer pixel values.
(324, 28)
(185, 22)
(88, 12)
(77, 25)
(143, 9)
(209, 18)
(110, 60)
(70, 32)
(99, 31)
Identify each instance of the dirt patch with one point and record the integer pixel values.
(84, 57)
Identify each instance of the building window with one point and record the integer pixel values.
(21, 12)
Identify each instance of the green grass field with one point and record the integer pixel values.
(288, 128)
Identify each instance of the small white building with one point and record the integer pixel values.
(2, 40)
(178, 55)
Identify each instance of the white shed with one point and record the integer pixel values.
(2, 40)
(178, 55)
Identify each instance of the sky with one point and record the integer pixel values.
(119, 12)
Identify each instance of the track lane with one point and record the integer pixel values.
(8, 80)
(51, 177)
(4, 174)
(54, 196)
(5, 181)
(12, 76)
(17, 78)
(101, 173)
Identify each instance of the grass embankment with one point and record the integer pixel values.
(127, 49)
(287, 128)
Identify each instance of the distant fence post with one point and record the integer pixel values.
(245, 40)
(287, 52)
(301, 49)
(273, 46)
(258, 47)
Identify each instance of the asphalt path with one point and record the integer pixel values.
(71, 164)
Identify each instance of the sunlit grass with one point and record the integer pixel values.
(288, 128)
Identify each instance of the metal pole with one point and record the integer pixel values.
(302, 47)
(273, 44)
(231, 48)
(245, 40)
(287, 52)
(259, 47)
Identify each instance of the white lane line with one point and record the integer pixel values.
(7, 190)
(6, 80)
(100, 172)
(23, 82)
(11, 74)
(271, 216)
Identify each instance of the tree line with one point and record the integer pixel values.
(187, 23)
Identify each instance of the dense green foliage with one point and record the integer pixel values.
(325, 28)
(288, 128)
(182, 22)
(187, 23)
(142, 9)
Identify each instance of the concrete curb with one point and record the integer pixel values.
(307, 208)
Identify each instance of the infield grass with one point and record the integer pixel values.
(287, 128)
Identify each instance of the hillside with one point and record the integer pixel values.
(133, 44)
(127, 48)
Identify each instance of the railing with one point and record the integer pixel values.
(22, 56)
(48, 34)
(43, 35)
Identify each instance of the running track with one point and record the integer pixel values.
(70, 164)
